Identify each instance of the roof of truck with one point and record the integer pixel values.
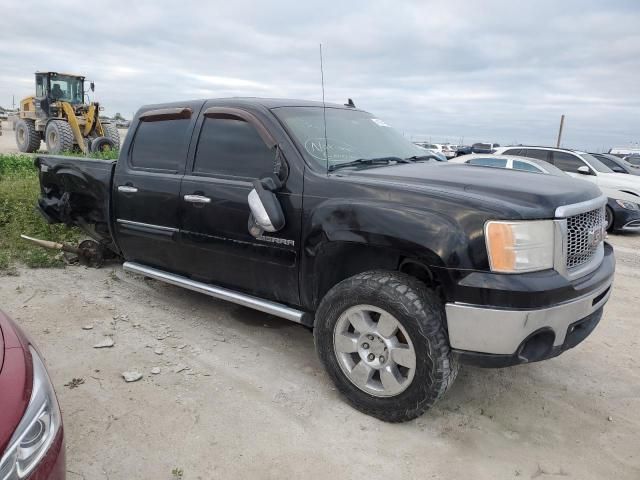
(265, 102)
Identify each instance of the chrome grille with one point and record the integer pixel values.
(585, 233)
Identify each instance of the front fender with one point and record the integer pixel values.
(435, 237)
(346, 238)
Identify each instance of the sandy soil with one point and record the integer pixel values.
(242, 394)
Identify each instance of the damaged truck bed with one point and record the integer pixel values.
(76, 191)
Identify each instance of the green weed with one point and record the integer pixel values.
(19, 191)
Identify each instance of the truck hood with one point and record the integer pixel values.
(512, 192)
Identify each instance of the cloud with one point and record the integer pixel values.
(494, 70)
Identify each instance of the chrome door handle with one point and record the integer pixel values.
(127, 189)
(196, 199)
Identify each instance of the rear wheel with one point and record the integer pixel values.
(27, 138)
(59, 137)
(381, 337)
(111, 132)
(608, 215)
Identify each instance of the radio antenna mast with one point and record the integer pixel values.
(324, 113)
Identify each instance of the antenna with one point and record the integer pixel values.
(324, 113)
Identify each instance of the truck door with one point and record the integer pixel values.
(147, 185)
(232, 151)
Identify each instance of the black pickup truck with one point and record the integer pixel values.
(326, 216)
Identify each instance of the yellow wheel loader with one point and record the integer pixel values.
(58, 114)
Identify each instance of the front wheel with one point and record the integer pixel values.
(59, 137)
(608, 216)
(381, 337)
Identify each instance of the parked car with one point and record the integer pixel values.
(403, 268)
(625, 151)
(581, 165)
(463, 150)
(509, 162)
(633, 160)
(443, 149)
(438, 156)
(31, 433)
(484, 147)
(617, 164)
(448, 150)
(622, 212)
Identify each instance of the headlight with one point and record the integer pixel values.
(37, 429)
(515, 247)
(628, 205)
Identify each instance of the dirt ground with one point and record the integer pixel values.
(242, 394)
(8, 139)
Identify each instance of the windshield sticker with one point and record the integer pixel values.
(337, 151)
(380, 123)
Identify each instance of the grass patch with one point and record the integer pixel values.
(19, 191)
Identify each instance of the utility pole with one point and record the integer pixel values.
(560, 131)
(13, 102)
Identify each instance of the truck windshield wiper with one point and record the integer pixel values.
(418, 158)
(368, 161)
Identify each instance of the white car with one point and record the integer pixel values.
(622, 212)
(505, 161)
(447, 150)
(442, 148)
(580, 165)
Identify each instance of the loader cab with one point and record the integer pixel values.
(54, 87)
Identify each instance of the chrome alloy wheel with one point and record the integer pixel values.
(374, 351)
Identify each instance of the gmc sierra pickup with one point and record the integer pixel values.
(404, 268)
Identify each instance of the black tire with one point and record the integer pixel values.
(609, 217)
(421, 314)
(59, 137)
(102, 144)
(111, 132)
(27, 139)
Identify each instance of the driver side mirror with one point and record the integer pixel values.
(584, 170)
(92, 86)
(618, 170)
(266, 211)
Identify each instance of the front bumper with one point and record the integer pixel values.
(504, 334)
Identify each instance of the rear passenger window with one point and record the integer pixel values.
(518, 165)
(566, 162)
(160, 145)
(513, 151)
(233, 147)
(539, 154)
(489, 162)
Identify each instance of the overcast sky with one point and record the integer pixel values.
(501, 71)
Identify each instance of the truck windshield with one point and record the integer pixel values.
(351, 135)
(66, 88)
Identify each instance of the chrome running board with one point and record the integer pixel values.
(221, 293)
